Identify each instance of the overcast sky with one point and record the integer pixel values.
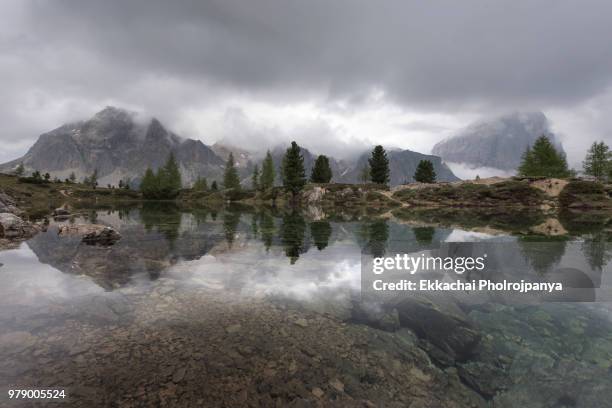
(334, 75)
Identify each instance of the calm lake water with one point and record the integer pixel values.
(264, 308)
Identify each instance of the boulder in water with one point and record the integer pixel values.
(93, 234)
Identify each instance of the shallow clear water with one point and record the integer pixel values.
(236, 307)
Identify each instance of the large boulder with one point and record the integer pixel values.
(441, 322)
(8, 205)
(93, 234)
(13, 227)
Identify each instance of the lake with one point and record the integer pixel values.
(260, 307)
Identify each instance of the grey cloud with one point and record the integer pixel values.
(438, 52)
(75, 56)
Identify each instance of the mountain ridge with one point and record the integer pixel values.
(121, 147)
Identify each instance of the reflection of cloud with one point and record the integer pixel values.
(251, 272)
(26, 281)
(467, 236)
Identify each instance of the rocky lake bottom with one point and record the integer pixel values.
(243, 308)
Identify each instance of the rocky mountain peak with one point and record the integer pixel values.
(497, 143)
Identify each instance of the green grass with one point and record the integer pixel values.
(506, 193)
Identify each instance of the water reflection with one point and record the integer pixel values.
(186, 270)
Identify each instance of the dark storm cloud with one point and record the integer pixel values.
(65, 59)
(418, 52)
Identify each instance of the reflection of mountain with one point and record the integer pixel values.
(158, 235)
(155, 241)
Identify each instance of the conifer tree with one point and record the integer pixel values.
(213, 186)
(255, 178)
(321, 172)
(425, 172)
(169, 178)
(543, 160)
(598, 161)
(294, 177)
(268, 174)
(149, 185)
(379, 166)
(230, 177)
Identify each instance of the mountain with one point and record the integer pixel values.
(243, 158)
(498, 143)
(119, 146)
(403, 164)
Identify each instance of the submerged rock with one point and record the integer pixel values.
(91, 233)
(442, 323)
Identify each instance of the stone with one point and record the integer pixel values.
(179, 375)
(302, 322)
(13, 227)
(8, 205)
(61, 212)
(317, 392)
(93, 234)
(233, 328)
(441, 322)
(337, 385)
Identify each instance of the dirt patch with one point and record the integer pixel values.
(552, 187)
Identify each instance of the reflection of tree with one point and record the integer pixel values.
(320, 231)
(165, 217)
(424, 235)
(230, 224)
(373, 236)
(200, 215)
(292, 233)
(254, 226)
(92, 216)
(542, 253)
(597, 250)
(267, 229)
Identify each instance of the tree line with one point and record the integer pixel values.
(541, 159)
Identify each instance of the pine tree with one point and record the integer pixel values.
(294, 177)
(230, 177)
(425, 172)
(321, 172)
(149, 186)
(169, 178)
(72, 177)
(213, 186)
(598, 161)
(47, 177)
(379, 166)
(268, 174)
(543, 160)
(19, 170)
(255, 178)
